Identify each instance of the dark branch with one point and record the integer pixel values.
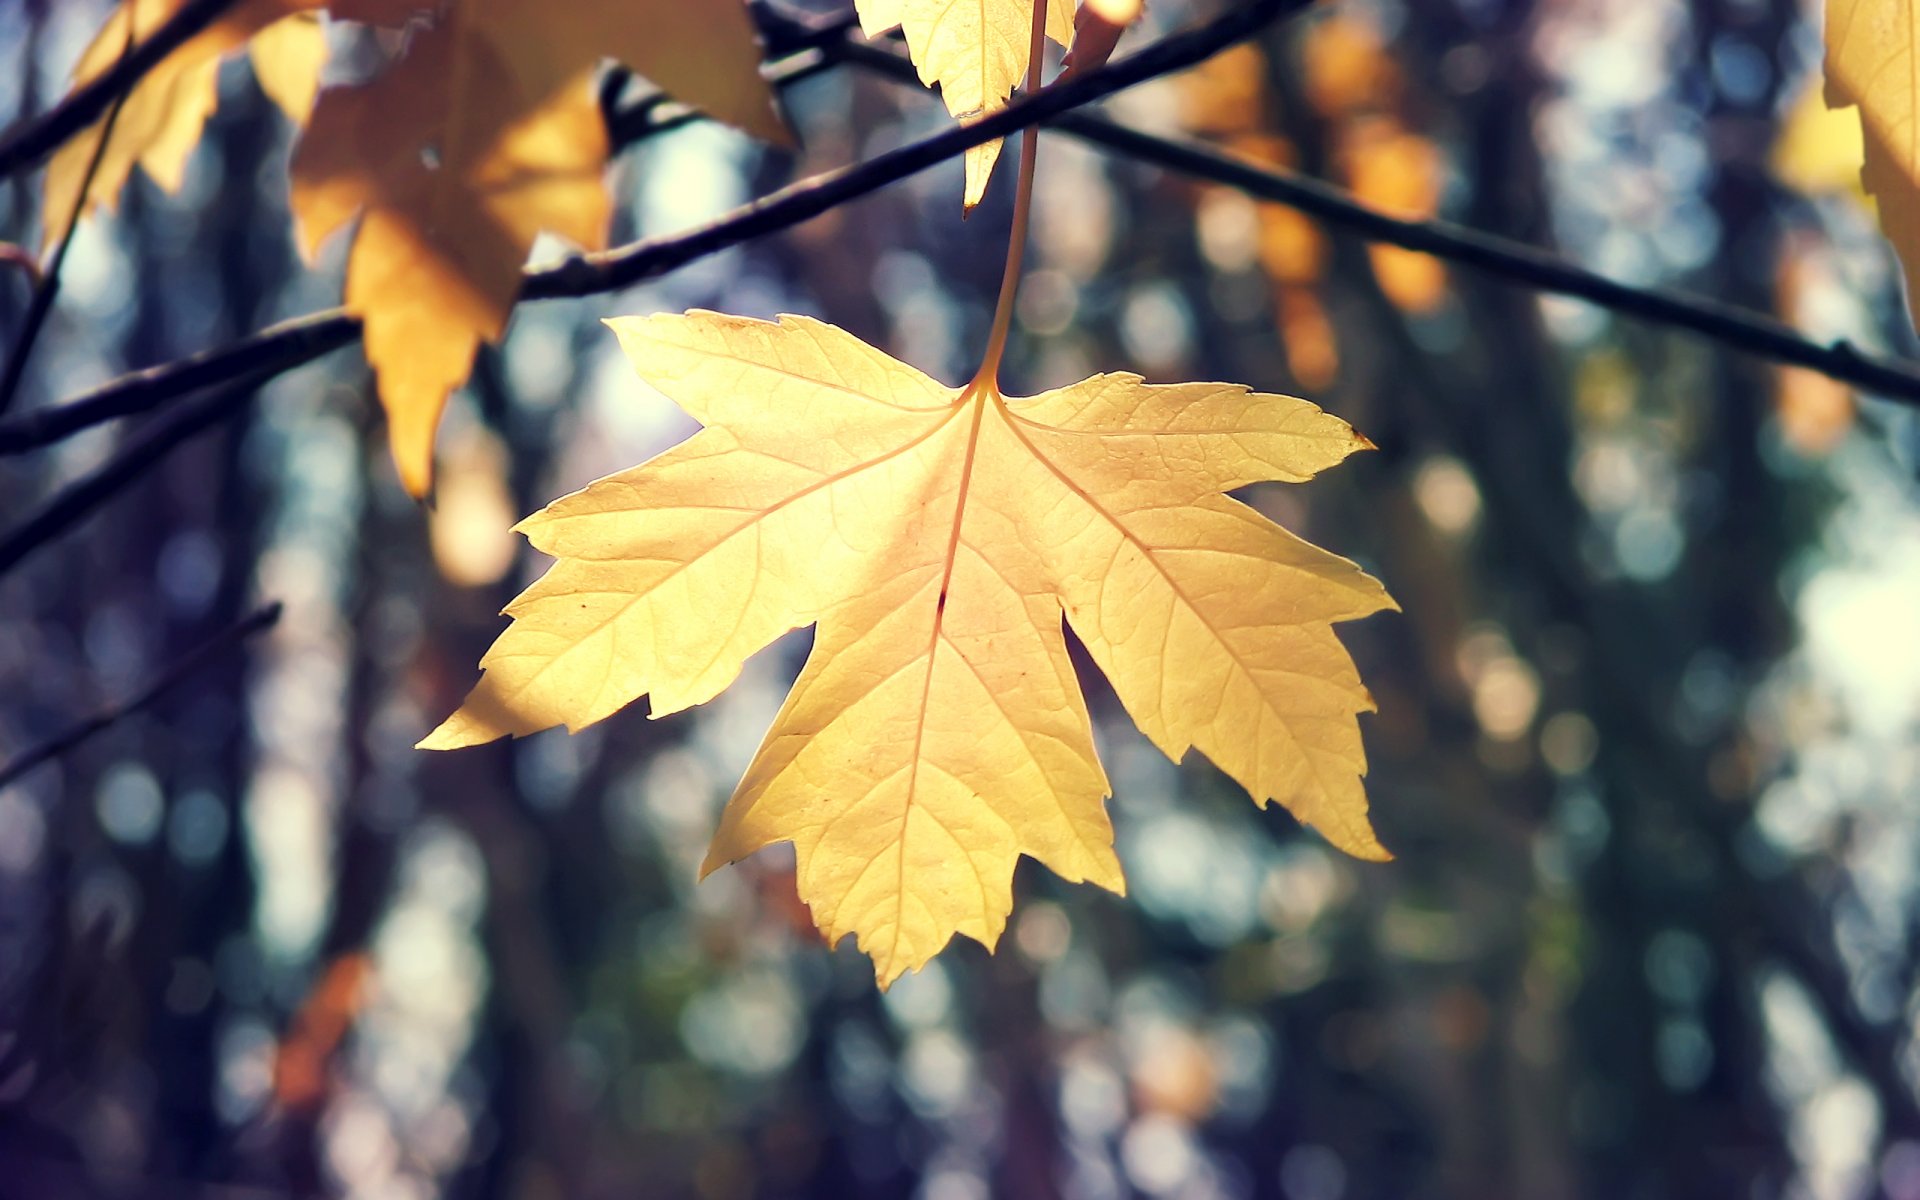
(260, 619)
(29, 143)
(90, 491)
(271, 351)
(628, 265)
(293, 343)
(1515, 262)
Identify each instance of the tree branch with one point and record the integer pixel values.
(292, 343)
(627, 265)
(273, 350)
(1515, 262)
(29, 143)
(261, 619)
(95, 488)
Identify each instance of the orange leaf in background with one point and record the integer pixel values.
(318, 1028)
(485, 135)
(161, 119)
(1313, 350)
(1398, 172)
(1347, 66)
(938, 537)
(1292, 248)
(1226, 94)
(1816, 412)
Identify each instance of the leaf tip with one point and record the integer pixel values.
(1354, 835)
(448, 735)
(1374, 853)
(712, 862)
(480, 719)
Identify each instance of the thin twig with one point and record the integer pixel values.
(260, 619)
(83, 495)
(273, 350)
(626, 265)
(1515, 262)
(299, 341)
(30, 142)
(47, 287)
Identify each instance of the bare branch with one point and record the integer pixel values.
(260, 619)
(628, 265)
(273, 350)
(29, 143)
(90, 491)
(1515, 262)
(293, 343)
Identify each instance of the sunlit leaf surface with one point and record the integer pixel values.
(938, 536)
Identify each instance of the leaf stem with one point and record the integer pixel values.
(989, 373)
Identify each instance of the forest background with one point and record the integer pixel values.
(1646, 747)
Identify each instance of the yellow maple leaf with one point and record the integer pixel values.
(938, 536)
(1873, 52)
(162, 116)
(975, 51)
(485, 135)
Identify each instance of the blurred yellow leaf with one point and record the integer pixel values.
(485, 135)
(1873, 54)
(938, 537)
(974, 51)
(1398, 172)
(1307, 336)
(1816, 411)
(1347, 67)
(1819, 150)
(1226, 94)
(471, 525)
(162, 116)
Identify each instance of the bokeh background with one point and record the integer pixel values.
(1647, 743)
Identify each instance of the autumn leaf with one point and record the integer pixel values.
(161, 119)
(1873, 52)
(938, 536)
(974, 51)
(485, 135)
